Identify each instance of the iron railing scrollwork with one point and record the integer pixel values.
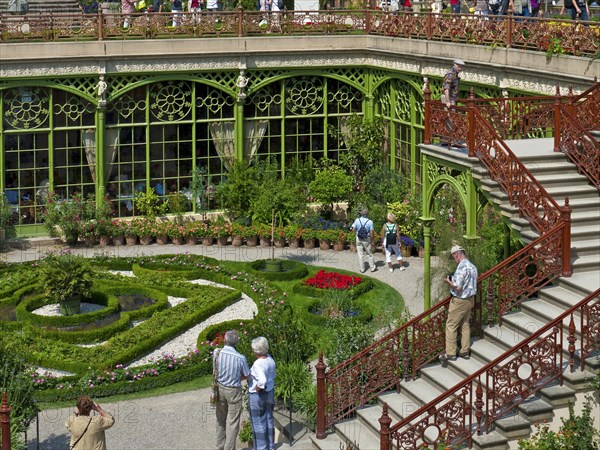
(500, 385)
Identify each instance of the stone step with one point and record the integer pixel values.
(586, 263)
(357, 433)
(585, 247)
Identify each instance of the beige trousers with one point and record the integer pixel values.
(229, 413)
(458, 318)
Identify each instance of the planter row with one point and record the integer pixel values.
(238, 241)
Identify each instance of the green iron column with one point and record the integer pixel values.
(427, 222)
(100, 150)
(238, 114)
(369, 105)
(471, 206)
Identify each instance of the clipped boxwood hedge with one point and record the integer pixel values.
(210, 332)
(292, 270)
(24, 311)
(365, 314)
(157, 272)
(133, 343)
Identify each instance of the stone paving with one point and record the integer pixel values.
(186, 420)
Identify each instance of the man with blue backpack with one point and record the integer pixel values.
(363, 226)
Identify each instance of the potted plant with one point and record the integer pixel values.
(309, 236)
(406, 246)
(144, 229)
(163, 230)
(339, 242)
(326, 237)
(238, 233)
(352, 240)
(251, 236)
(279, 237)
(264, 234)
(88, 232)
(149, 204)
(331, 185)
(64, 217)
(5, 215)
(221, 231)
(191, 232)
(118, 228)
(293, 234)
(67, 279)
(177, 233)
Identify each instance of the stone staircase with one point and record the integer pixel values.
(560, 178)
(47, 6)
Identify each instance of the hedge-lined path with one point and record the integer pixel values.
(186, 420)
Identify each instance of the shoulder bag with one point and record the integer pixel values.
(214, 393)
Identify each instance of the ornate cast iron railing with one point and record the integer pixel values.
(486, 395)
(535, 34)
(580, 117)
(404, 351)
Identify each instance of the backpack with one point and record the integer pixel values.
(390, 235)
(362, 232)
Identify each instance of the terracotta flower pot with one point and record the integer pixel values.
(252, 241)
(207, 240)
(265, 241)
(191, 240)
(279, 242)
(118, 240)
(145, 240)
(104, 241)
(324, 244)
(222, 241)
(421, 252)
(294, 243)
(405, 251)
(89, 241)
(309, 243)
(339, 246)
(237, 241)
(161, 240)
(353, 246)
(178, 240)
(131, 240)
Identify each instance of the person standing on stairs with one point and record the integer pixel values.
(463, 287)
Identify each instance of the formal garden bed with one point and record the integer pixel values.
(136, 305)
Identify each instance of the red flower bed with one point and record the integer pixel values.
(332, 280)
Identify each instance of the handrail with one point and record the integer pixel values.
(505, 32)
(521, 354)
(579, 145)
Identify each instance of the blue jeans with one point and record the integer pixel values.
(582, 16)
(261, 405)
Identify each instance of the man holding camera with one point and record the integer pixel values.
(463, 287)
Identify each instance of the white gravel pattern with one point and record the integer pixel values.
(181, 345)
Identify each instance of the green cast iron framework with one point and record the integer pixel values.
(155, 130)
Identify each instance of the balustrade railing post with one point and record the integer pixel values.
(478, 406)
(100, 27)
(5, 419)
(429, 27)
(367, 21)
(557, 101)
(321, 398)
(571, 340)
(490, 303)
(565, 214)
(405, 359)
(427, 118)
(240, 20)
(509, 26)
(471, 119)
(384, 430)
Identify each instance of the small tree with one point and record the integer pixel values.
(66, 276)
(330, 185)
